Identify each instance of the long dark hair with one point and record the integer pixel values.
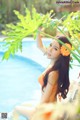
(62, 65)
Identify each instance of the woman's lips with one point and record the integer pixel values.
(48, 54)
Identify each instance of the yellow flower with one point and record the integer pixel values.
(65, 49)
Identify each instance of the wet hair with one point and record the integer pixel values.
(61, 65)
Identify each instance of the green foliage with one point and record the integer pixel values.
(72, 24)
(6, 11)
(49, 30)
(28, 25)
(7, 7)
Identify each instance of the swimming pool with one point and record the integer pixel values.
(18, 81)
(18, 76)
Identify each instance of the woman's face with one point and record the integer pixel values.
(53, 51)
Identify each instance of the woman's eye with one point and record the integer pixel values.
(55, 49)
(50, 45)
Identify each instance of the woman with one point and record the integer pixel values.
(55, 79)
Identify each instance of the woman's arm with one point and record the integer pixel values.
(39, 43)
(52, 79)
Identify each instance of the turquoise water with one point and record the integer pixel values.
(18, 81)
(19, 76)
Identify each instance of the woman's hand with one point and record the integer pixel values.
(40, 29)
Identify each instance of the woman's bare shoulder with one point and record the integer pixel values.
(54, 73)
(53, 76)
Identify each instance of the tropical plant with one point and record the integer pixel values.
(72, 23)
(28, 25)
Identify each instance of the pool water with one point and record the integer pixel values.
(19, 75)
(18, 81)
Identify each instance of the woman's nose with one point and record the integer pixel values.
(49, 49)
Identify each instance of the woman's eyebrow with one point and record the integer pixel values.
(56, 46)
(50, 43)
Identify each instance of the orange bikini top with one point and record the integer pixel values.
(40, 79)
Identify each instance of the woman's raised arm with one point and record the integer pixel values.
(40, 43)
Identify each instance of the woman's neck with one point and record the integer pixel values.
(52, 62)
